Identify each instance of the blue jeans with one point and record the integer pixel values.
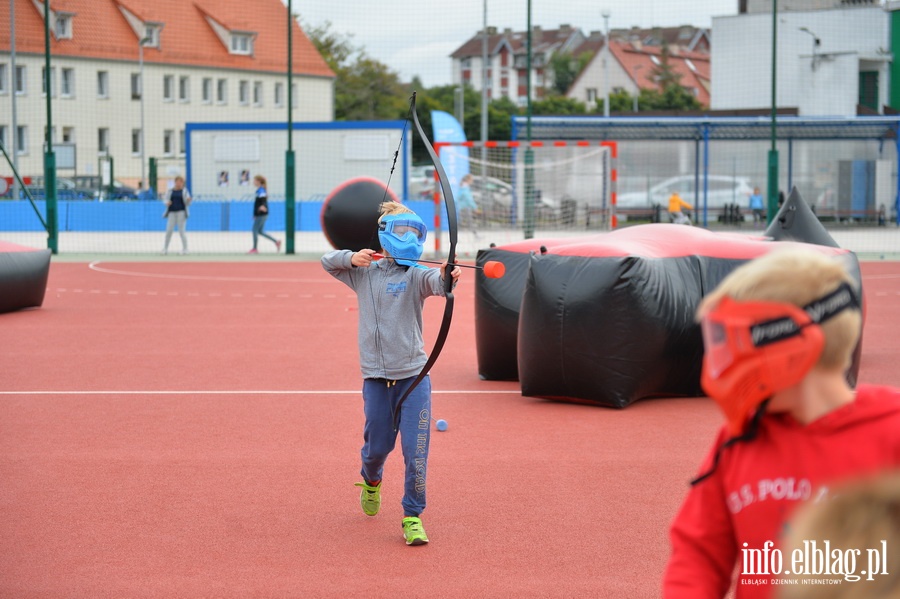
(258, 223)
(415, 433)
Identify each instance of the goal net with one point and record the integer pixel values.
(534, 187)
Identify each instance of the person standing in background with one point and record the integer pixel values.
(261, 213)
(757, 207)
(177, 201)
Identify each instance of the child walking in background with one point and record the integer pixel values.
(390, 294)
(261, 213)
(779, 335)
(676, 204)
(466, 202)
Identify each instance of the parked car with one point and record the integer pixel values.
(421, 182)
(495, 200)
(120, 191)
(721, 190)
(66, 189)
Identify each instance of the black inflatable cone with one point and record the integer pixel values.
(797, 222)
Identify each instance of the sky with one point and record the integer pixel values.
(416, 37)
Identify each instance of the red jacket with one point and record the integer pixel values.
(757, 484)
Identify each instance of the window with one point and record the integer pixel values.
(21, 81)
(52, 81)
(868, 89)
(103, 141)
(68, 135)
(257, 93)
(206, 92)
(103, 84)
(68, 83)
(241, 43)
(591, 94)
(63, 26)
(168, 142)
(136, 87)
(181, 148)
(21, 139)
(184, 89)
(222, 91)
(136, 142)
(151, 34)
(168, 88)
(244, 93)
(3, 140)
(294, 101)
(279, 95)
(4, 87)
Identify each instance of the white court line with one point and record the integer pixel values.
(95, 265)
(295, 392)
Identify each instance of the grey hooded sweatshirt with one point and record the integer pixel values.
(390, 299)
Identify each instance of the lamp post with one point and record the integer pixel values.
(484, 86)
(605, 15)
(637, 91)
(816, 43)
(290, 158)
(144, 41)
(49, 154)
(772, 175)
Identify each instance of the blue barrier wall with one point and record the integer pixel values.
(18, 215)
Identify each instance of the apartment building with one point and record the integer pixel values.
(507, 60)
(126, 75)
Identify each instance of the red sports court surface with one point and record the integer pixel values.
(192, 429)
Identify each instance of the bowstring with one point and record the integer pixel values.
(376, 306)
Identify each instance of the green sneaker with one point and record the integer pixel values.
(370, 497)
(413, 531)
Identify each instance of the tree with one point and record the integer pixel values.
(619, 101)
(671, 94)
(566, 68)
(364, 88)
(557, 105)
(663, 73)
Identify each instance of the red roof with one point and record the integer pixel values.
(101, 31)
(640, 66)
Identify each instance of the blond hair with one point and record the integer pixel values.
(390, 208)
(858, 515)
(796, 275)
(261, 179)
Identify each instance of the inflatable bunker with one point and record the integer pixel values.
(609, 319)
(23, 276)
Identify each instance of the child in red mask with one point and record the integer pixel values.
(779, 335)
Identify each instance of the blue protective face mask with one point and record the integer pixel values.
(403, 236)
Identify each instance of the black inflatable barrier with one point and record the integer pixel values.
(23, 276)
(497, 303)
(795, 221)
(609, 319)
(350, 213)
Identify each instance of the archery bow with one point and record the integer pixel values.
(451, 259)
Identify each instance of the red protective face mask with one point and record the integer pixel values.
(755, 349)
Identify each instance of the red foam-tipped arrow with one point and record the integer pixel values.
(492, 269)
